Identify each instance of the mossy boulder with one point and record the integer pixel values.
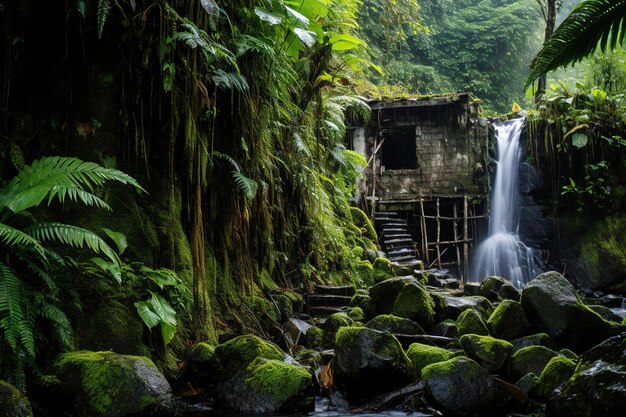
(382, 269)
(364, 302)
(597, 389)
(235, 355)
(368, 363)
(606, 313)
(490, 286)
(532, 359)
(508, 320)
(460, 386)
(107, 384)
(422, 355)
(612, 350)
(489, 352)
(537, 339)
(551, 301)
(415, 303)
(556, 372)
(355, 313)
(529, 384)
(274, 386)
(446, 328)
(12, 402)
(394, 324)
(470, 322)
(314, 339)
(201, 362)
(451, 306)
(384, 294)
(333, 323)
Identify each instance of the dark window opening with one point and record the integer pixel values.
(398, 150)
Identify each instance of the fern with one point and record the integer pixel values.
(104, 8)
(15, 237)
(247, 185)
(230, 80)
(12, 312)
(73, 236)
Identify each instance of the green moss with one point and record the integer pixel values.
(356, 313)
(382, 269)
(508, 320)
(568, 354)
(364, 302)
(365, 272)
(277, 380)
(261, 306)
(423, 355)
(236, 354)
(314, 338)
(557, 371)
(202, 352)
(393, 324)
(12, 402)
(448, 367)
(489, 352)
(470, 322)
(531, 359)
(364, 223)
(332, 324)
(415, 303)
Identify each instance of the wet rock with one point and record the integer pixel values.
(12, 402)
(446, 328)
(355, 313)
(364, 302)
(333, 323)
(313, 339)
(252, 376)
(460, 385)
(508, 320)
(606, 313)
(394, 324)
(532, 359)
(596, 390)
(415, 303)
(364, 358)
(472, 288)
(489, 352)
(295, 329)
(107, 384)
(556, 372)
(201, 363)
(612, 350)
(470, 322)
(509, 292)
(538, 339)
(402, 270)
(453, 306)
(384, 294)
(528, 384)
(490, 286)
(383, 270)
(551, 301)
(422, 355)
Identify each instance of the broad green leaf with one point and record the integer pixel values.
(312, 9)
(149, 317)
(303, 20)
(110, 267)
(344, 42)
(268, 16)
(307, 37)
(167, 332)
(161, 277)
(119, 239)
(163, 308)
(598, 94)
(210, 6)
(579, 140)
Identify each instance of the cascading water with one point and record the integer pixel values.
(502, 253)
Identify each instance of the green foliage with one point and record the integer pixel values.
(593, 194)
(593, 24)
(32, 275)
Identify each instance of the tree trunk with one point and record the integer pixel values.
(550, 16)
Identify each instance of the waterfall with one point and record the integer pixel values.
(502, 253)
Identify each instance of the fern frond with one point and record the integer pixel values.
(104, 8)
(247, 185)
(14, 237)
(60, 322)
(13, 321)
(230, 80)
(59, 178)
(73, 236)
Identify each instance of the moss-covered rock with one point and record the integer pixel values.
(490, 287)
(275, 386)
(529, 384)
(460, 386)
(364, 271)
(235, 355)
(368, 363)
(532, 359)
(451, 307)
(314, 339)
(538, 339)
(551, 301)
(382, 269)
(489, 352)
(612, 350)
(606, 313)
(384, 294)
(470, 322)
(12, 402)
(355, 313)
(568, 354)
(422, 355)
(332, 324)
(394, 324)
(508, 320)
(446, 328)
(415, 303)
(364, 302)
(106, 384)
(201, 362)
(556, 372)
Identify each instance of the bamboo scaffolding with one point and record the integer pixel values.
(465, 245)
(424, 231)
(455, 231)
(437, 247)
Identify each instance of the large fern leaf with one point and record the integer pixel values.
(13, 317)
(104, 8)
(73, 236)
(591, 24)
(59, 178)
(14, 237)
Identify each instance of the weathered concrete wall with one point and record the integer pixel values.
(451, 143)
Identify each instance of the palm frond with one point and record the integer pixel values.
(14, 237)
(59, 178)
(73, 236)
(13, 320)
(104, 8)
(591, 25)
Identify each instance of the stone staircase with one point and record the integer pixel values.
(394, 237)
(328, 300)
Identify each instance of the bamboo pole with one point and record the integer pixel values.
(424, 231)
(465, 238)
(438, 236)
(455, 231)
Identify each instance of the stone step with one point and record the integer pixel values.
(322, 311)
(386, 215)
(394, 230)
(391, 223)
(395, 235)
(327, 300)
(344, 290)
(392, 243)
(400, 251)
(404, 259)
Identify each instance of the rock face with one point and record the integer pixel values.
(12, 402)
(532, 359)
(460, 385)
(368, 363)
(551, 301)
(415, 303)
(489, 352)
(452, 306)
(251, 376)
(106, 384)
(384, 294)
(470, 322)
(508, 320)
